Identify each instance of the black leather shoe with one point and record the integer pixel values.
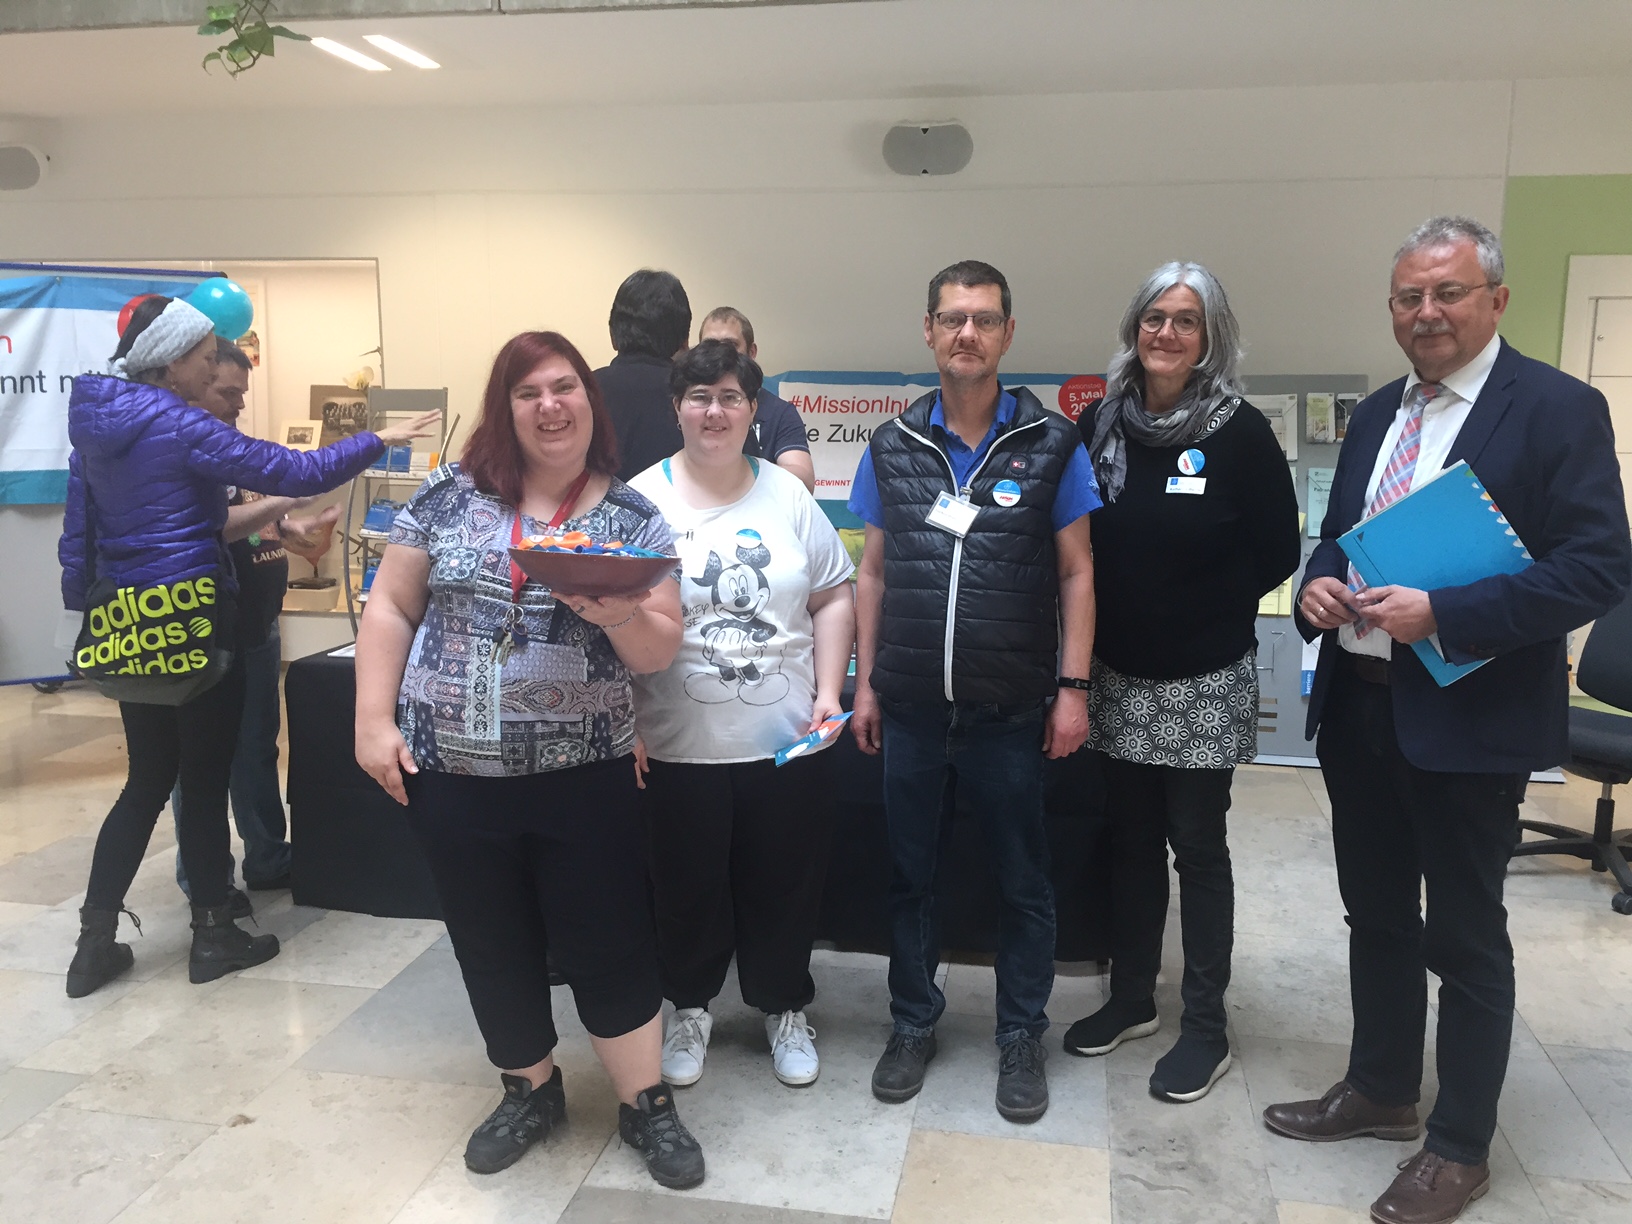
(1342, 1114)
(900, 1070)
(1022, 1084)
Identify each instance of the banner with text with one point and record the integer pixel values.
(842, 409)
(52, 328)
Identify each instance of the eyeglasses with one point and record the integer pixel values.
(953, 320)
(729, 400)
(1185, 324)
(1408, 301)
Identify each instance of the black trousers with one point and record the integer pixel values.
(192, 743)
(1151, 807)
(739, 857)
(1395, 826)
(513, 857)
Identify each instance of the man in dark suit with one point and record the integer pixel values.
(1426, 782)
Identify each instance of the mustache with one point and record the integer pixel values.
(1436, 328)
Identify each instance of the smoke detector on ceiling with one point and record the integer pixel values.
(917, 149)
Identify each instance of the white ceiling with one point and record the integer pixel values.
(899, 49)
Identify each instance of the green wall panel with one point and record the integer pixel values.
(1545, 220)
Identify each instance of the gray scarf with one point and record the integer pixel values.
(1189, 421)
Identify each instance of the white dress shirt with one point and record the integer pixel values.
(1442, 421)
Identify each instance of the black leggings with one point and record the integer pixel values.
(1152, 807)
(513, 856)
(195, 744)
(739, 858)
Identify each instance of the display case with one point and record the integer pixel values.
(381, 491)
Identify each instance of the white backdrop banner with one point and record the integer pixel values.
(842, 409)
(52, 328)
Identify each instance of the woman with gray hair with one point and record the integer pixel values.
(1200, 521)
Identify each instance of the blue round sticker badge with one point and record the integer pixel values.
(1006, 493)
(1191, 462)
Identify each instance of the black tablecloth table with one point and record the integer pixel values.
(353, 849)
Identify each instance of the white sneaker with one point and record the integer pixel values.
(793, 1056)
(685, 1045)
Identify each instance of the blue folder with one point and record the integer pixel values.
(1445, 533)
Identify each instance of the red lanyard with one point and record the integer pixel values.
(519, 579)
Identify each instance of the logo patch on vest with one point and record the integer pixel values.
(1006, 493)
(1019, 465)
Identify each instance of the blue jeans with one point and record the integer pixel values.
(257, 802)
(995, 754)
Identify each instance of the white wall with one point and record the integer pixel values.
(320, 319)
(488, 221)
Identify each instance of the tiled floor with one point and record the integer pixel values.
(338, 1082)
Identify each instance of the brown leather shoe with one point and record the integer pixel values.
(1430, 1190)
(1342, 1114)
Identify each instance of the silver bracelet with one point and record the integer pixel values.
(622, 623)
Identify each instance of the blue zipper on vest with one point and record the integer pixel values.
(957, 541)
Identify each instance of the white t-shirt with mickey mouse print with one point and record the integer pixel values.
(744, 682)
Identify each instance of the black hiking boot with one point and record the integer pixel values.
(220, 947)
(97, 958)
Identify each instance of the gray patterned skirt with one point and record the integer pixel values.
(1197, 722)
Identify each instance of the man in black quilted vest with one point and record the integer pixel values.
(975, 624)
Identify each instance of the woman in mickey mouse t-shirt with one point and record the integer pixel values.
(740, 844)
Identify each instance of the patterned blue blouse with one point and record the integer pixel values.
(562, 696)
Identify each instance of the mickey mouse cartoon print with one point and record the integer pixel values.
(734, 641)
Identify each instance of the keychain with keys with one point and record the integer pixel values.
(513, 632)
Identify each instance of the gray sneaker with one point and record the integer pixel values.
(1022, 1084)
(652, 1127)
(524, 1117)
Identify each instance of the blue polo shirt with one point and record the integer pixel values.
(1077, 495)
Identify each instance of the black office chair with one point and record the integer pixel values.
(1600, 749)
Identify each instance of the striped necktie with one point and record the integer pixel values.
(1397, 476)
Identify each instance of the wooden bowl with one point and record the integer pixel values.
(591, 573)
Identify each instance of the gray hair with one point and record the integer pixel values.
(1449, 230)
(1216, 375)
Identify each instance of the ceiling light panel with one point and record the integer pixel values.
(357, 58)
(406, 54)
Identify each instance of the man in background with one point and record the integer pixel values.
(254, 524)
(651, 318)
(777, 433)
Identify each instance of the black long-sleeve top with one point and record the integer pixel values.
(1177, 575)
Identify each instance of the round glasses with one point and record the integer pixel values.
(1184, 323)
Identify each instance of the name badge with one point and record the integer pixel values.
(1186, 484)
(952, 514)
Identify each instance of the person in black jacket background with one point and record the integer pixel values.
(650, 323)
(1200, 521)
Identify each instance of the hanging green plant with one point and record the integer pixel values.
(252, 38)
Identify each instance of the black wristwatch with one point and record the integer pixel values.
(1072, 682)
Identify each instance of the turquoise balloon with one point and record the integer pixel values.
(225, 304)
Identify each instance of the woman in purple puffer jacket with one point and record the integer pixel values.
(147, 499)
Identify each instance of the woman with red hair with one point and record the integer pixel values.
(499, 711)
